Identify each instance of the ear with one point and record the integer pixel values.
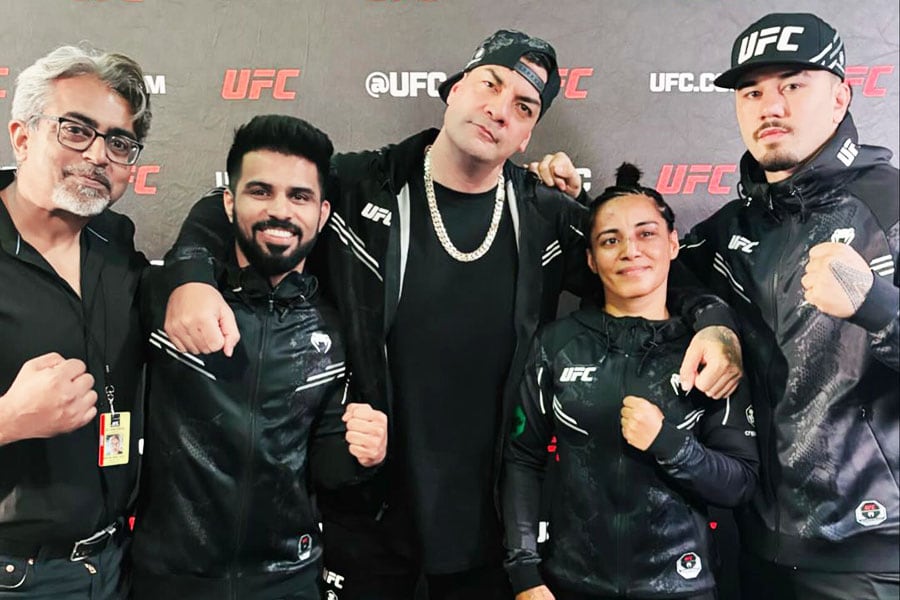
(842, 97)
(18, 137)
(590, 260)
(524, 143)
(228, 204)
(324, 213)
(674, 244)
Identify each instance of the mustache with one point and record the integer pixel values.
(96, 173)
(769, 124)
(279, 224)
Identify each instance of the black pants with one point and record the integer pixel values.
(560, 595)
(96, 578)
(763, 579)
(365, 561)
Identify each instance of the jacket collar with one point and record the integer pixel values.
(819, 180)
(248, 283)
(631, 334)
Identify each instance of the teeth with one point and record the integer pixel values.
(282, 233)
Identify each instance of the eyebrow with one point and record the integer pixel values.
(782, 75)
(616, 229)
(89, 121)
(291, 190)
(499, 81)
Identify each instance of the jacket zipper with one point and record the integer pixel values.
(789, 222)
(618, 525)
(245, 482)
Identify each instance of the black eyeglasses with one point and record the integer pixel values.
(76, 135)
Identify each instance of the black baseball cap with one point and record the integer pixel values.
(506, 48)
(800, 39)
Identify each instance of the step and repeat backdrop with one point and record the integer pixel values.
(637, 80)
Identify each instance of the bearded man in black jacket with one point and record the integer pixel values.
(235, 446)
(808, 259)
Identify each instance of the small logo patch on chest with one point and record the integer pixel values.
(321, 342)
(570, 374)
(689, 565)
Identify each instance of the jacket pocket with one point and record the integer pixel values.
(866, 415)
(14, 572)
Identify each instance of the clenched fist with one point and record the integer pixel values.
(557, 170)
(49, 396)
(641, 421)
(541, 592)
(837, 279)
(366, 433)
(199, 321)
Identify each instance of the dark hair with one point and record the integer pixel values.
(283, 134)
(627, 178)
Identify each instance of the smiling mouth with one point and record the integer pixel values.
(283, 234)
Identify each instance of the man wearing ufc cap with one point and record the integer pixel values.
(439, 297)
(808, 259)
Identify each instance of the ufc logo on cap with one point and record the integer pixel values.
(755, 44)
(577, 374)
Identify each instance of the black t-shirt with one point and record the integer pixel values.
(449, 352)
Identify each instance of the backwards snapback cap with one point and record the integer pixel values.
(506, 48)
(800, 39)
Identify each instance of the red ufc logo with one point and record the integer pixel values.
(867, 78)
(569, 79)
(249, 83)
(4, 71)
(139, 176)
(684, 179)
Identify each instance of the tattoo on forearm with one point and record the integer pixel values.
(855, 283)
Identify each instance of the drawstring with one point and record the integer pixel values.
(804, 211)
(648, 347)
(743, 195)
(606, 342)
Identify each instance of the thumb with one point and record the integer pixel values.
(229, 329)
(690, 366)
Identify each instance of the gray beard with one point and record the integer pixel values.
(82, 202)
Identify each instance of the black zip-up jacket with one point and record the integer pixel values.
(52, 491)
(825, 389)
(361, 258)
(225, 508)
(623, 522)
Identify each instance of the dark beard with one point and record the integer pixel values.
(778, 163)
(276, 262)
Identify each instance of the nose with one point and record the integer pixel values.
(630, 248)
(96, 152)
(279, 207)
(773, 105)
(498, 107)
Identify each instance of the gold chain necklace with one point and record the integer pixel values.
(438, 223)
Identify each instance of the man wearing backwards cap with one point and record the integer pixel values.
(444, 258)
(814, 279)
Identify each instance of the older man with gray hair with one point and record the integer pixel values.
(71, 365)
